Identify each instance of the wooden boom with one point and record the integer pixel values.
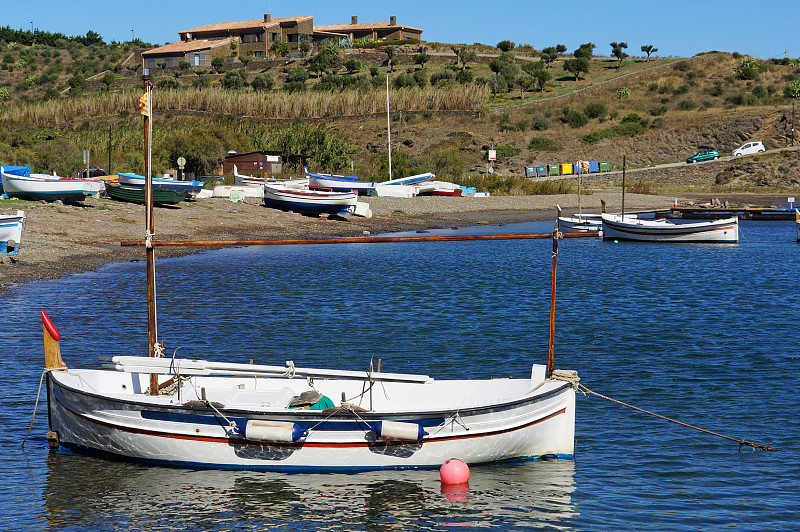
(354, 240)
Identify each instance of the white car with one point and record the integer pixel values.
(749, 148)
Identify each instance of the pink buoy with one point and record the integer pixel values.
(454, 471)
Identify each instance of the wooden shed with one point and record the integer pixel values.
(253, 163)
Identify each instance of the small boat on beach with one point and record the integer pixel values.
(49, 188)
(133, 194)
(241, 180)
(650, 229)
(339, 183)
(11, 226)
(438, 188)
(190, 187)
(309, 201)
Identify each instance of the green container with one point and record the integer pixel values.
(605, 166)
(553, 169)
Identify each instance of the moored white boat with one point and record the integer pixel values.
(37, 188)
(438, 188)
(240, 191)
(633, 227)
(309, 201)
(580, 223)
(11, 226)
(239, 415)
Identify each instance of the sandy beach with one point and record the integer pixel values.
(61, 240)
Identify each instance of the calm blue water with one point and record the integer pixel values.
(706, 334)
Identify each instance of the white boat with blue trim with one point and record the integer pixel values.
(135, 180)
(283, 418)
(41, 187)
(309, 200)
(651, 229)
(11, 226)
(339, 183)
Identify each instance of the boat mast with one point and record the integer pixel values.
(150, 262)
(389, 126)
(551, 342)
(623, 187)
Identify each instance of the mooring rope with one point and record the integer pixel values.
(36, 404)
(740, 441)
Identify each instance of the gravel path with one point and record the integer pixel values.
(60, 240)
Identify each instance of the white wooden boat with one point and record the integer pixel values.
(37, 188)
(633, 227)
(580, 223)
(309, 201)
(239, 416)
(248, 180)
(196, 413)
(438, 188)
(339, 183)
(240, 191)
(11, 226)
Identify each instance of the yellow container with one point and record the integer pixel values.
(566, 168)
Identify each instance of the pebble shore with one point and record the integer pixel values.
(61, 240)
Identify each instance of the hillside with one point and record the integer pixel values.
(447, 111)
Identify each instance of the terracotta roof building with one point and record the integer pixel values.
(199, 46)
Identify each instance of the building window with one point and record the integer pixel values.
(293, 37)
(196, 59)
(273, 36)
(259, 54)
(246, 37)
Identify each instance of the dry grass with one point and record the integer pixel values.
(277, 105)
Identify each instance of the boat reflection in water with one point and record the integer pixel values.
(87, 492)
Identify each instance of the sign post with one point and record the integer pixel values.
(181, 165)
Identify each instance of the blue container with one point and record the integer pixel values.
(594, 166)
(541, 171)
(530, 171)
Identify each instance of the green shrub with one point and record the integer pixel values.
(631, 119)
(540, 143)
(168, 83)
(576, 118)
(683, 66)
(263, 82)
(682, 89)
(687, 105)
(658, 111)
(652, 87)
(540, 123)
(596, 110)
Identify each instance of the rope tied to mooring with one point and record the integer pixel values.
(742, 442)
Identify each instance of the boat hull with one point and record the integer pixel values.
(340, 183)
(190, 187)
(11, 226)
(633, 228)
(309, 201)
(133, 194)
(191, 434)
(568, 224)
(36, 189)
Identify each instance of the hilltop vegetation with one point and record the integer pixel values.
(450, 103)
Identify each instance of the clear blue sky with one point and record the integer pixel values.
(679, 28)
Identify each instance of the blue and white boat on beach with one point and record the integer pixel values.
(309, 200)
(339, 183)
(191, 187)
(41, 187)
(11, 226)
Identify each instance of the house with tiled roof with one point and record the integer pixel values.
(199, 46)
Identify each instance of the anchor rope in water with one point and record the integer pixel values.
(742, 442)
